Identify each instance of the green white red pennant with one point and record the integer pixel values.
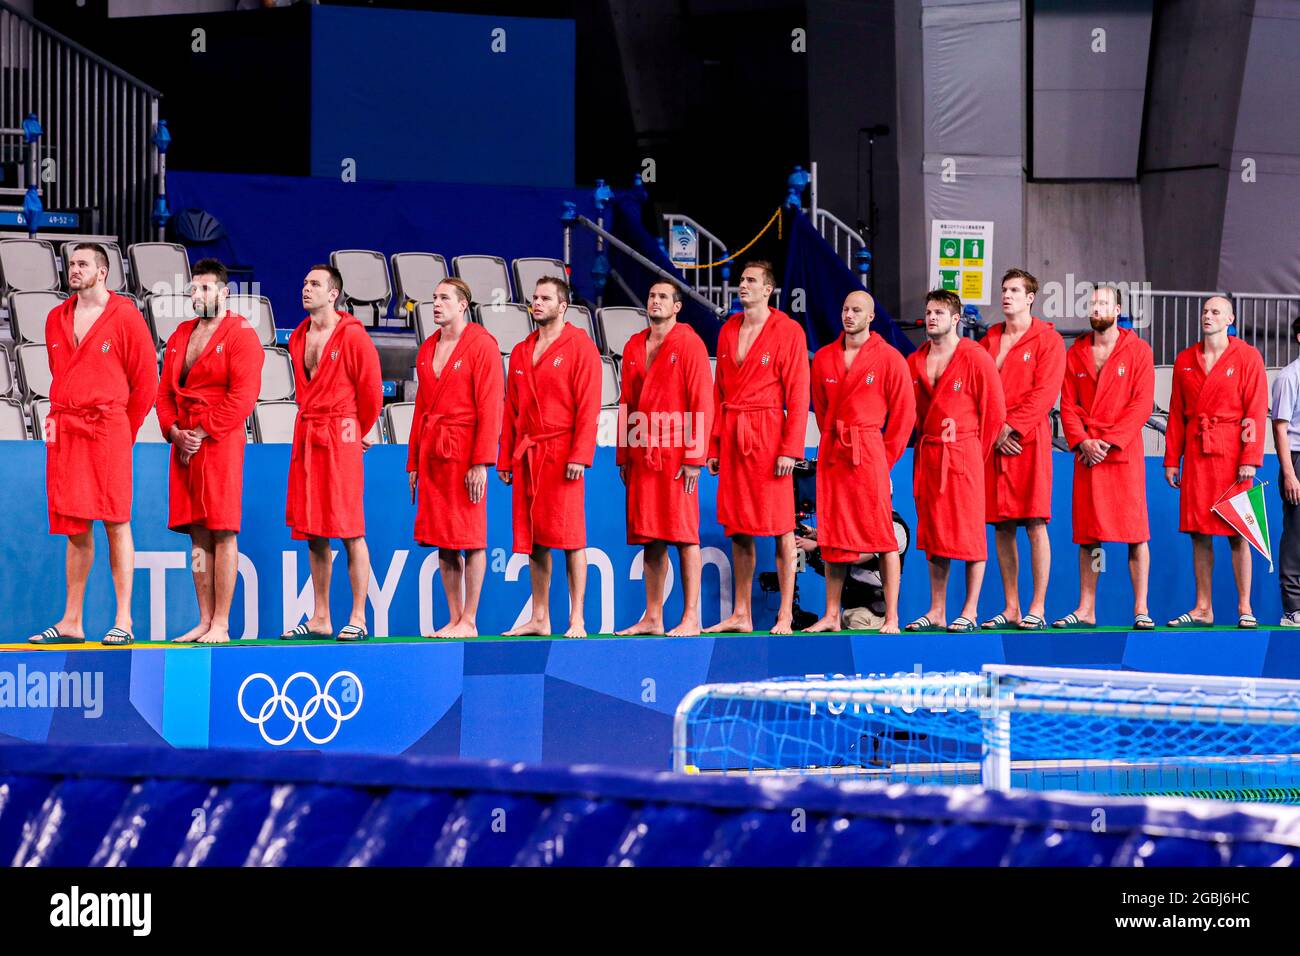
(1245, 511)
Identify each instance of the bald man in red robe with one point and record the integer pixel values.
(666, 416)
(1216, 426)
(104, 379)
(759, 427)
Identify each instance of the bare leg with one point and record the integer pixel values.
(744, 557)
(1090, 562)
(121, 558)
(688, 555)
(202, 562)
(832, 620)
(785, 572)
(575, 563)
(539, 576)
(467, 624)
(974, 582)
(1004, 538)
(656, 578)
(452, 566)
(1203, 567)
(1241, 569)
(891, 575)
(318, 554)
(939, 571)
(359, 576)
(1040, 561)
(225, 568)
(1139, 570)
(78, 561)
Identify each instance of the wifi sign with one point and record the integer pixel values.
(684, 245)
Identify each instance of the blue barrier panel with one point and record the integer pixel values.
(126, 806)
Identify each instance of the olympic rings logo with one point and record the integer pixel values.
(280, 701)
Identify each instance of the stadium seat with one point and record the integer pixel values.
(40, 412)
(509, 323)
(257, 309)
(713, 366)
(27, 265)
(528, 271)
(1153, 440)
(13, 425)
(486, 276)
(33, 371)
(376, 433)
(277, 376)
(28, 312)
(166, 311)
(159, 267)
(580, 316)
(6, 375)
(273, 422)
(609, 385)
(812, 434)
(1164, 386)
(116, 269)
(424, 324)
(620, 323)
(416, 275)
(398, 419)
(150, 430)
(505, 370)
(365, 283)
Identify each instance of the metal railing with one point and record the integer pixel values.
(1170, 321)
(97, 119)
(843, 239)
(707, 282)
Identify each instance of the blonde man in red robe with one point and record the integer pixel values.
(866, 407)
(960, 410)
(548, 441)
(104, 379)
(1106, 398)
(1216, 429)
(212, 373)
(760, 400)
(1030, 356)
(453, 442)
(339, 390)
(666, 417)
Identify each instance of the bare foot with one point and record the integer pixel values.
(783, 625)
(216, 635)
(827, 623)
(193, 634)
(576, 629)
(689, 627)
(530, 629)
(736, 624)
(458, 630)
(646, 625)
(890, 626)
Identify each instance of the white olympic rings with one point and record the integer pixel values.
(280, 701)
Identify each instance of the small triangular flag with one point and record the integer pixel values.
(1245, 511)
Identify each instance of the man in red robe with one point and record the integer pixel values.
(760, 400)
(862, 394)
(339, 389)
(453, 443)
(1216, 429)
(960, 409)
(548, 437)
(666, 416)
(1030, 356)
(104, 378)
(1106, 399)
(212, 373)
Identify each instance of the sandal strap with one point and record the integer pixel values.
(352, 629)
(921, 622)
(297, 630)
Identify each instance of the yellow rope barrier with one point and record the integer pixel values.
(776, 218)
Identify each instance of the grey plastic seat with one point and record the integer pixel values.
(116, 268)
(40, 413)
(528, 271)
(257, 309)
(166, 312)
(510, 324)
(273, 422)
(618, 324)
(487, 278)
(28, 312)
(150, 431)
(27, 265)
(7, 378)
(277, 376)
(425, 326)
(34, 370)
(580, 316)
(398, 419)
(159, 268)
(1164, 386)
(365, 282)
(13, 424)
(609, 384)
(416, 275)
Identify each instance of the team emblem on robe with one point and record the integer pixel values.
(455, 365)
(104, 348)
(558, 360)
(956, 386)
(334, 355)
(1028, 355)
(1228, 372)
(220, 347)
(765, 359)
(871, 377)
(673, 358)
(1120, 372)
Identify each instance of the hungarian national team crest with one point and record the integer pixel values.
(1227, 373)
(766, 359)
(220, 346)
(871, 377)
(956, 386)
(1028, 355)
(1120, 371)
(105, 346)
(455, 366)
(673, 358)
(334, 355)
(558, 360)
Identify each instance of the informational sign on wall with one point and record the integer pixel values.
(961, 256)
(683, 246)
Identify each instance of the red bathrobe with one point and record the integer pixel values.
(100, 393)
(761, 407)
(552, 410)
(218, 394)
(337, 407)
(1020, 486)
(865, 413)
(666, 417)
(1216, 424)
(1110, 499)
(457, 425)
(959, 421)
